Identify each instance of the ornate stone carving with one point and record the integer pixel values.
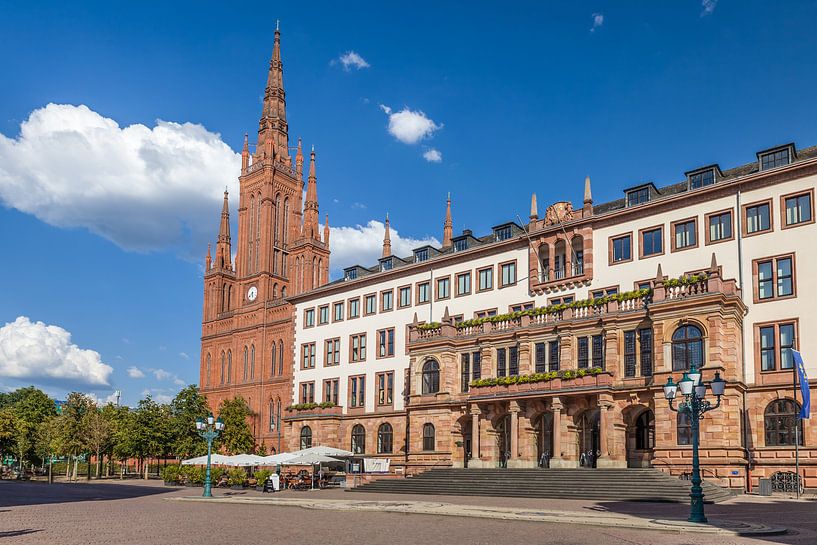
(561, 211)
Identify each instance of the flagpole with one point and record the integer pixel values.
(796, 432)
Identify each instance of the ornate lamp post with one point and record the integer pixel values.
(209, 429)
(694, 406)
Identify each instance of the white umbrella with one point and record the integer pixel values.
(244, 460)
(215, 459)
(275, 459)
(309, 459)
(326, 451)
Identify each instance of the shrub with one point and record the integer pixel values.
(261, 476)
(237, 477)
(568, 374)
(311, 406)
(171, 474)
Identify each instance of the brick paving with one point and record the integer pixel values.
(138, 513)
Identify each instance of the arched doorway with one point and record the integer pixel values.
(588, 436)
(543, 427)
(503, 439)
(641, 439)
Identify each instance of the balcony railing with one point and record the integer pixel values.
(562, 273)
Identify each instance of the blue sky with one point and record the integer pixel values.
(522, 97)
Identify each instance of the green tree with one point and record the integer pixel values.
(72, 430)
(97, 432)
(8, 429)
(152, 428)
(188, 405)
(237, 436)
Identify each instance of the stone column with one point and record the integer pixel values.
(557, 460)
(603, 453)
(607, 428)
(514, 410)
(475, 412)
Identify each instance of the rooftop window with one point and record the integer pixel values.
(421, 254)
(503, 233)
(701, 179)
(461, 245)
(386, 264)
(774, 159)
(350, 274)
(638, 196)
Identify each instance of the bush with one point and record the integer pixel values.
(171, 474)
(261, 476)
(237, 477)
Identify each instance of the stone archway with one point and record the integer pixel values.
(588, 437)
(640, 437)
(503, 439)
(543, 431)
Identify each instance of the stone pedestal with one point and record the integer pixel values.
(558, 463)
(520, 463)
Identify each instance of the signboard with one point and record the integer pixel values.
(376, 465)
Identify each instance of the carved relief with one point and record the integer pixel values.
(559, 212)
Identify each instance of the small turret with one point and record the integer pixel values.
(534, 211)
(387, 239)
(448, 226)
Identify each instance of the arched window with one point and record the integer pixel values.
(285, 234)
(258, 233)
(229, 366)
(277, 218)
(207, 375)
(306, 437)
(223, 368)
(250, 241)
(280, 358)
(246, 363)
(781, 424)
(314, 273)
(645, 431)
(358, 439)
(431, 377)
(429, 437)
(384, 438)
(687, 348)
(320, 273)
(684, 426)
(271, 415)
(275, 291)
(273, 361)
(283, 291)
(252, 362)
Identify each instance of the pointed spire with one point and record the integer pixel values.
(223, 253)
(587, 209)
(299, 161)
(534, 210)
(387, 239)
(245, 155)
(208, 260)
(659, 274)
(448, 226)
(310, 227)
(272, 128)
(326, 231)
(713, 264)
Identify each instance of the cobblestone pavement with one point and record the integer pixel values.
(135, 512)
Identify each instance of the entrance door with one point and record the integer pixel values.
(503, 440)
(544, 439)
(641, 440)
(589, 438)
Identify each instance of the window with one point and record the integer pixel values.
(337, 312)
(684, 427)
(307, 392)
(429, 437)
(520, 307)
(272, 417)
(598, 351)
(645, 431)
(465, 371)
(508, 274)
(386, 264)
(776, 343)
(309, 317)
(386, 301)
(385, 343)
(701, 179)
(404, 297)
(687, 348)
(501, 362)
(385, 388)
(540, 357)
(422, 293)
(685, 234)
(757, 217)
(781, 423)
(358, 439)
(553, 346)
(774, 159)
(486, 279)
(357, 347)
(354, 308)
(229, 366)
(503, 233)
(798, 209)
(460, 245)
(431, 377)
(207, 379)
(485, 313)
(645, 342)
(350, 274)
(464, 283)
(357, 391)
(513, 361)
(652, 242)
(564, 300)
(246, 363)
(308, 356)
(421, 255)
(323, 315)
(370, 304)
(638, 196)
(775, 278)
(476, 365)
(444, 288)
(621, 250)
(306, 437)
(331, 351)
(720, 226)
(583, 353)
(629, 353)
(330, 390)
(384, 438)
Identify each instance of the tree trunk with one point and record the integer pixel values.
(68, 468)
(76, 468)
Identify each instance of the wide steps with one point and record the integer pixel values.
(602, 484)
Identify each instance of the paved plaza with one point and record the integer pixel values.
(149, 513)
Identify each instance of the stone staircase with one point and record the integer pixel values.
(596, 484)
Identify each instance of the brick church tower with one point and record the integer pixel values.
(247, 324)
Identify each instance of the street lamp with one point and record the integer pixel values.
(694, 406)
(209, 429)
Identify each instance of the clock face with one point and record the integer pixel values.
(252, 293)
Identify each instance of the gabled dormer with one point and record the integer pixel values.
(704, 176)
(464, 241)
(424, 253)
(776, 157)
(640, 194)
(506, 230)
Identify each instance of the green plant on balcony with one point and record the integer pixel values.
(311, 406)
(568, 374)
(686, 280)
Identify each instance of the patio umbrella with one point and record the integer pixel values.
(326, 451)
(309, 459)
(215, 459)
(244, 460)
(275, 459)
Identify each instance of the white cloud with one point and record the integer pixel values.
(161, 374)
(351, 59)
(135, 372)
(598, 21)
(143, 188)
(363, 244)
(100, 401)
(184, 356)
(708, 7)
(410, 126)
(158, 395)
(433, 156)
(39, 352)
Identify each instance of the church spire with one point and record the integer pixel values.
(245, 155)
(587, 209)
(448, 226)
(272, 128)
(326, 231)
(223, 252)
(310, 229)
(299, 162)
(387, 239)
(208, 259)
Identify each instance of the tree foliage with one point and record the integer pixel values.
(237, 437)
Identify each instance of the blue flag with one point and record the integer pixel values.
(804, 386)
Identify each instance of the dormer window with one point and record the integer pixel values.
(638, 196)
(386, 265)
(503, 233)
(701, 179)
(421, 254)
(776, 158)
(461, 245)
(350, 274)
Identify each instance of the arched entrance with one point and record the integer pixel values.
(543, 426)
(588, 436)
(641, 439)
(503, 440)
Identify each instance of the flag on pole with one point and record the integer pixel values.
(804, 386)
